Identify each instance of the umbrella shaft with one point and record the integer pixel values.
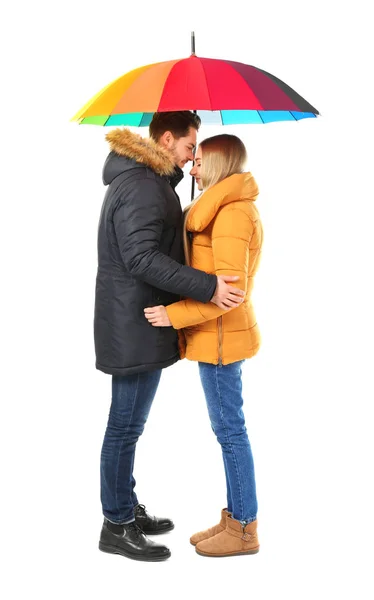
(192, 188)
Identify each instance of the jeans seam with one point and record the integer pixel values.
(229, 443)
(123, 440)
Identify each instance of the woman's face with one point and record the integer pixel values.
(196, 169)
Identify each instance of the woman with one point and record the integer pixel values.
(224, 236)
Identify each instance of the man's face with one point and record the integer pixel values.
(196, 169)
(182, 149)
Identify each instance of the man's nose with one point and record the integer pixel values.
(190, 155)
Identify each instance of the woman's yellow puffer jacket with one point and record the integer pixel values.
(226, 240)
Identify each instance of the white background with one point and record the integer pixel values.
(308, 393)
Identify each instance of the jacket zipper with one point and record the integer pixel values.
(220, 341)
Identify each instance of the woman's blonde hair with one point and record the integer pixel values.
(222, 155)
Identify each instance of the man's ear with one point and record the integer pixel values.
(167, 139)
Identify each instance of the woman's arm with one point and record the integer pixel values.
(231, 234)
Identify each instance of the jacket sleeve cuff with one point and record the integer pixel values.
(211, 289)
(172, 311)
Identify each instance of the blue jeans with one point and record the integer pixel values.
(132, 397)
(223, 392)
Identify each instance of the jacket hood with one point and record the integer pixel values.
(241, 186)
(129, 150)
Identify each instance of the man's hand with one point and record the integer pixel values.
(227, 296)
(157, 316)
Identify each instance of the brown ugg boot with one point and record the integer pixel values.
(204, 535)
(234, 540)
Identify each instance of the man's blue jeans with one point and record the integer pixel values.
(223, 392)
(132, 397)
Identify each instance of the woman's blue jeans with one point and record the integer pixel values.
(132, 397)
(223, 392)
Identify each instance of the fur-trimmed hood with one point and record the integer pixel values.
(129, 150)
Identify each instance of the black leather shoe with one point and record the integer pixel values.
(149, 524)
(130, 541)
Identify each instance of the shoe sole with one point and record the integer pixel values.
(115, 550)
(158, 532)
(254, 551)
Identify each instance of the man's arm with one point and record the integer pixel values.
(138, 224)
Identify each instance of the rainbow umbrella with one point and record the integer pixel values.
(224, 92)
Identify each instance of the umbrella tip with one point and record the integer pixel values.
(192, 43)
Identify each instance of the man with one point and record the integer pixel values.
(140, 264)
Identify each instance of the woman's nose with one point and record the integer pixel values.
(193, 171)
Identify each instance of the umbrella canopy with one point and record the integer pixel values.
(223, 92)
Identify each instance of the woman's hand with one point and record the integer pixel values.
(157, 316)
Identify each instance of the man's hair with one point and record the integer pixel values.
(222, 155)
(178, 122)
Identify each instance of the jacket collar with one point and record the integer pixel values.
(176, 177)
(241, 186)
